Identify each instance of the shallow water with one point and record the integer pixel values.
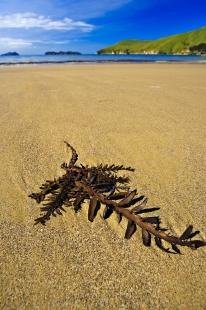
(24, 59)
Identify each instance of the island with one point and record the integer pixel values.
(51, 53)
(188, 43)
(10, 54)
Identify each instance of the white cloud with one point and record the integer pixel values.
(10, 43)
(32, 20)
(57, 42)
(17, 42)
(75, 9)
(7, 42)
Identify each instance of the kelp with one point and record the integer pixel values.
(101, 185)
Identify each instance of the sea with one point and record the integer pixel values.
(94, 58)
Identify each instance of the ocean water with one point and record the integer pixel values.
(93, 58)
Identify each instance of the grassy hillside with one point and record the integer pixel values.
(175, 44)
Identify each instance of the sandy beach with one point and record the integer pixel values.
(148, 116)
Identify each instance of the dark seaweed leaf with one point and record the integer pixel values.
(176, 249)
(39, 197)
(78, 203)
(118, 196)
(131, 228)
(111, 192)
(119, 217)
(140, 206)
(93, 208)
(125, 201)
(186, 234)
(147, 210)
(74, 155)
(108, 210)
(195, 244)
(194, 234)
(152, 220)
(42, 220)
(103, 187)
(58, 212)
(158, 242)
(114, 168)
(61, 208)
(135, 200)
(146, 237)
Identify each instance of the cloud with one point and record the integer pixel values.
(75, 9)
(53, 42)
(32, 20)
(7, 42)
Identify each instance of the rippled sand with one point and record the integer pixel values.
(149, 116)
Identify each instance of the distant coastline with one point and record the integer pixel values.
(189, 43)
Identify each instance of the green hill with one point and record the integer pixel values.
(185, 43)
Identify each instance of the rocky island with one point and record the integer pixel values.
(10, 54)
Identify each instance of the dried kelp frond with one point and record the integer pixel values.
(114, 168)
(101, 185)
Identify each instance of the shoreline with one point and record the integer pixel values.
(100, 59)
(77, 62)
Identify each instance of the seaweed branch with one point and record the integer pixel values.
(102, 186)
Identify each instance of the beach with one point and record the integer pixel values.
(148, 116)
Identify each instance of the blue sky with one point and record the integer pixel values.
(35, 26)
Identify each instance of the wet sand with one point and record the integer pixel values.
(148, 116)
